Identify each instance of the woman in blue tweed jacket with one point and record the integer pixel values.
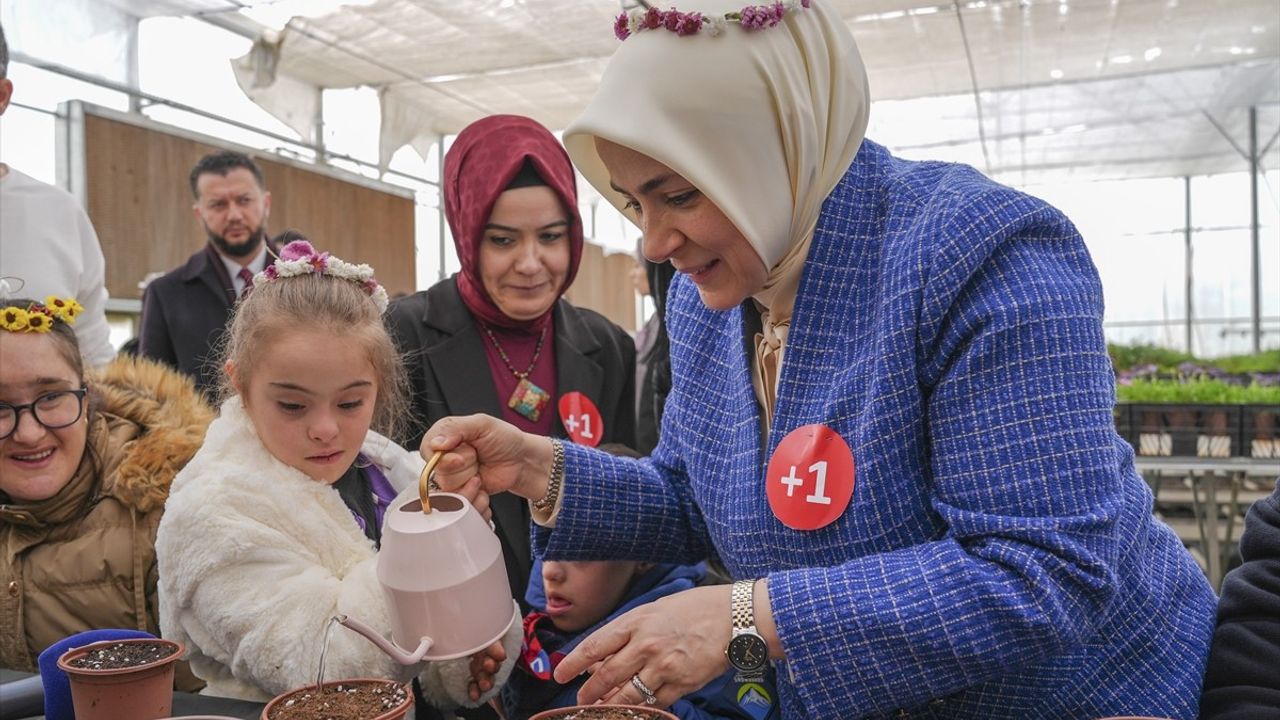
(996, 556)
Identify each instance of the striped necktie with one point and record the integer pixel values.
(247, 277)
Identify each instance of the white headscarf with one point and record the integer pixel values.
(763, 122)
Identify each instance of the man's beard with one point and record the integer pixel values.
(241, 250)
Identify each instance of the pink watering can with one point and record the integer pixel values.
(442, 571)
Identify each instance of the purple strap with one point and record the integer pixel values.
(383, 493)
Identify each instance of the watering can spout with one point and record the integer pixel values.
(388, 647)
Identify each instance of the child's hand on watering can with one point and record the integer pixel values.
(484, 455)
(484, 665)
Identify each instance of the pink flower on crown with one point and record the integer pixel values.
(680, 23)
(297, 250)
(653, 19)
(620, 29)
(301, 250)
(757, 17)
(690, 23)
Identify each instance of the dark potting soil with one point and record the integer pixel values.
(341, 702)
(123, 655)
(604, 712)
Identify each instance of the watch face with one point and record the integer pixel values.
(747, 652)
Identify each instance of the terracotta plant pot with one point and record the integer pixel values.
(605, 712)
(139, 692)
(277, 708)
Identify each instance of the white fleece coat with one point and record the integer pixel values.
(255, 557)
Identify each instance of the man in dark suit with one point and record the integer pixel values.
(185, 311)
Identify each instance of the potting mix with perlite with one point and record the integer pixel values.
(355, 701)
(122, 655)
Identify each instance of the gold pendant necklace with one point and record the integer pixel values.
(528, 399)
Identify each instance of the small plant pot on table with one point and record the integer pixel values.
(122, 678)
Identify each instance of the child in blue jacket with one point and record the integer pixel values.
(572, 599)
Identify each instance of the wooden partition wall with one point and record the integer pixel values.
(603, 284)
(139, 200)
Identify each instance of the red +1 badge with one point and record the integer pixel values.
(810, 478)
(581, 419)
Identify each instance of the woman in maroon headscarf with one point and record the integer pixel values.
(496, 337)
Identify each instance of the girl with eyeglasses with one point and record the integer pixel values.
(85, 466)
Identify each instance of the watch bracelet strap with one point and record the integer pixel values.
(741, 604)
(556, 480)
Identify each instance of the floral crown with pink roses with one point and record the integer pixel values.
(751, 17)
(300, 258)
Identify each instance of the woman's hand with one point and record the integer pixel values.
(485, 455)
(482, 505)
(484, 665)
(675, 644)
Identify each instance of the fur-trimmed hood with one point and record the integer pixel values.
(171, 416)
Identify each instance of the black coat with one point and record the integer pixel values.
(655, 383)
(1243, 678)
(449, 375)
(184, 314)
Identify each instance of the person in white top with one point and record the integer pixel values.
(47, 243)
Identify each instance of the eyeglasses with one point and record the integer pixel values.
(53, 410)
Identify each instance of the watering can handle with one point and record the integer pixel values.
(426, 484)
(386, 645)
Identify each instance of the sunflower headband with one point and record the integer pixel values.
(38, 318)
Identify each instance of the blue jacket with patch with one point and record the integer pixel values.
(998, 559)
(723, 698)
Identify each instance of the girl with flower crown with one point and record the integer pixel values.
(85, 465)
(498, 337)
(890, 415)
(273, 527)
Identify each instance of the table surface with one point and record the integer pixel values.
(183, 703)
(1251, 466)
